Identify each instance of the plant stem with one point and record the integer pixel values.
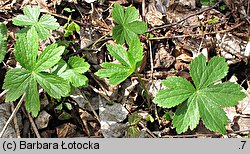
(144, 87)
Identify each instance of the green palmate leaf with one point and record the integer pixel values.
(54, 85)
(49, 57)
(128, 26)
(76, 66)
(206, 101)
(26, 49)
(16, 81)
(32, 102)
(130, 61)
(31, 19)
(3, 41)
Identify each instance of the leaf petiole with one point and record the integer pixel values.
(144, 87)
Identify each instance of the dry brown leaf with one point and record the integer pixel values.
(66, 130)
(42, 120)
(4, 114)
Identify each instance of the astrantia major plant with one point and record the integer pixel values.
(42, 25)
(34, 70)
(204, 100)
(129, 61)
(128, 25)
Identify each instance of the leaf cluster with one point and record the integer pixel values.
(38, 69)
(30, 18)
(203, 100)
(129, 61)
(34, 70)
(128, 25)
(73, 71)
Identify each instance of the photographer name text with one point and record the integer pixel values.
(38, 145)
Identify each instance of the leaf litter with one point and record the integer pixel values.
(172, 47)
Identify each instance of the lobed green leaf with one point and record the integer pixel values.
(30, 17)
(128, 26)
(130, 61)
(78, 64)
(75, 78)
(73, 73)
(26, 49)
(48, 22)
(206, 101)
(32, 102)
(32, 12)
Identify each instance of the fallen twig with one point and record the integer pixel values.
(191, 15)
(91, 107)
(12, 115)
(15, 122)
(3, 93)
(33, 125)
(196, 35)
